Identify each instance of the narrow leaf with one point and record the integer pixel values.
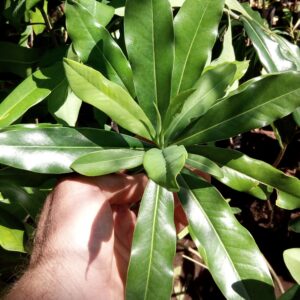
(196, 27)
(204, 164)
(275, 97)
(292, 293)
(53, 150)
(153, 247)
(107, 161)
(208, 90)
(163, 166)
(228, 247)
(267, 48)
(149, 42)
(288, 187)
(30, 92)
(95, 46)
(93, 88)
(18, 60)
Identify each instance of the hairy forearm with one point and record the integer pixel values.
(60, 280)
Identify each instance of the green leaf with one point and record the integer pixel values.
(196, 28)
(18, 195)
(204, 164)
(104, 162)
(235, 5)
(31, 3)
(291, 294)
(53, 150)
(294, 225)
(288, 187)
(153, 247)
(64, 104)
(291, 258)
(226, 246)
(275, 97)
(209, 89)
(11, 234)
(94, 45)
(296, 116)
(93, 88)
(149, 42)
(164, 165)
(266, 47)
(30, 92)
(18, 60)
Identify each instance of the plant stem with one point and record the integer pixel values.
(230, 13)
(194, 261)
(48, 24)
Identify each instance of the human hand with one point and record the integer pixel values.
(83, 241)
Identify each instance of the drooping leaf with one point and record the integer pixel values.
(104, 162)
(292, 261)
(267, 48)
(164, 165)
(195, 28)
(275, 97)
(209, 89)
(53, 150)
(150, 272)
(236, 5)
(11, 233)
(226, 246)
(30, 92)
(204, 164)
(18, 60)
(149, 42)
(94, 45)
(93, 88)
(288, 187)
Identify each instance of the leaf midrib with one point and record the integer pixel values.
(152, 240)
(190, 49)
(216, 233)
(236, 116)
(178, 120)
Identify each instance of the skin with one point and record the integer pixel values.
(83, 240)
(82, 245)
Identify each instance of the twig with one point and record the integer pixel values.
(48, 24)
(276, 278)
(194, 261)
(230, 13)
(280, 156)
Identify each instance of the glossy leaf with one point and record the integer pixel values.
(267, 48)
(288, 187)
(164, 165)
(226, 246)
(196, 27)
(204, 164)
(30, 92)
(11, 234)
(18, 60)
(236, 5)
(107, 161)
(149, 42)
(150, 272)
(93, 88)
(53, 150)
(94, 45)
(292, 260)
(209, 89)
(275, 97)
